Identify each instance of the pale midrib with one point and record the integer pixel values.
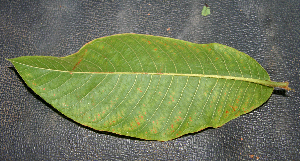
(258, 81)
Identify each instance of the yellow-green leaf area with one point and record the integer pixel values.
(149, 87)
(205, 11)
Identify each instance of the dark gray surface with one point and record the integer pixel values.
(266, 30)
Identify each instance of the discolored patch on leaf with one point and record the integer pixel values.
(149, 87)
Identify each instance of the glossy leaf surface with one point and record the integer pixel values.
(149, 87)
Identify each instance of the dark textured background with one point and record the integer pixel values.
(267, 30)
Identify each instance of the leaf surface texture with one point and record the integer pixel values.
(148, 87)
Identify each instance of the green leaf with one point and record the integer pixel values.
(149, 87)
(205, 11)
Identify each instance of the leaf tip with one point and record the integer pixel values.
(8, 59)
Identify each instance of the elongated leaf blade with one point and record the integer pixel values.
(148, 87)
